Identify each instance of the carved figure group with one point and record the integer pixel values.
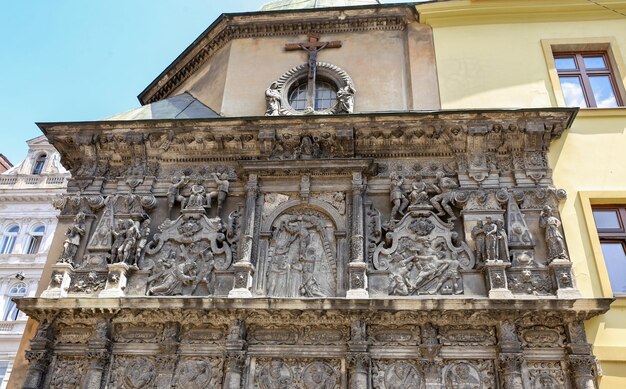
(420, 268)
(554, 239)
(294, 260)
(197, 198)
(170, 274)
(443, 193)
(73, 235)
(129, 241)
(491, 240)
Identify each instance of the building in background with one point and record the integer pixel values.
(5, 164)
(27, 223)
(378, 116)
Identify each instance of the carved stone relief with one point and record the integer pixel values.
(133, 372)
(301, 260)
(297, 374)
(68, 373)
(389, 374)
(421, 257)
(199, 373)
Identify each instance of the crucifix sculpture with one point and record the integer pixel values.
(313, 46)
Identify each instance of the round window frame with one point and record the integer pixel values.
(326, 72)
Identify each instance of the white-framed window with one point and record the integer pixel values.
(36, 237)
(10, 310)
(39, 164)
(8, 239)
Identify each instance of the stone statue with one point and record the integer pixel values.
(272, 100)
(131, 237)
(503, 242)
(478, 234)
(309, 286)
(491, 240)
(554, 239)
(144, 233)
(196, 199)
(221, 193)
(173, 193)
(443, 201)
(119, 235)
(74, 235)
(345, 98)
(398, 199)
(418, 194)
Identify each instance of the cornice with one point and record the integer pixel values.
(471, 12)
(582, 308)
(266, 24)
(101, 148)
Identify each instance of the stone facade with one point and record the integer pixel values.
(407, 250)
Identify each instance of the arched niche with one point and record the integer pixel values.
(302, 246)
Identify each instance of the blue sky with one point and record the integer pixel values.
(76, 60)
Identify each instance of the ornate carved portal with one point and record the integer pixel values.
(301, 260)
(368, 251)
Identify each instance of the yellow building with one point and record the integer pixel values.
(501, 53)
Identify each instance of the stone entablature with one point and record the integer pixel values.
(324, 343)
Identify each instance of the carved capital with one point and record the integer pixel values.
(38, 357)
(359, 362)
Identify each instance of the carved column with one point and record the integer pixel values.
(234, 369)
(511, 368)
(98, 352)
(235, 355)
(583, 368)
(358, 369)
(167, 358)
(38, 357)
(244, 269)
(358, 357)
(357, 268)
(432, 373)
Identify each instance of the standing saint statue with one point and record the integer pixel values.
(554, 239)
(478, 234)
(272, 100)
(491, 240)
(73, 234)
(398, 199)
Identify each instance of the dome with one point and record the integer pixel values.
(301, 4)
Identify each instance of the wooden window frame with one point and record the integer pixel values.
(612, 235)
(583, 73)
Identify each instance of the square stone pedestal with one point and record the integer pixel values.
(243, 280)
(59, 281)
(561, 270)
(496, 279)
(358, 281)
(116, 280)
